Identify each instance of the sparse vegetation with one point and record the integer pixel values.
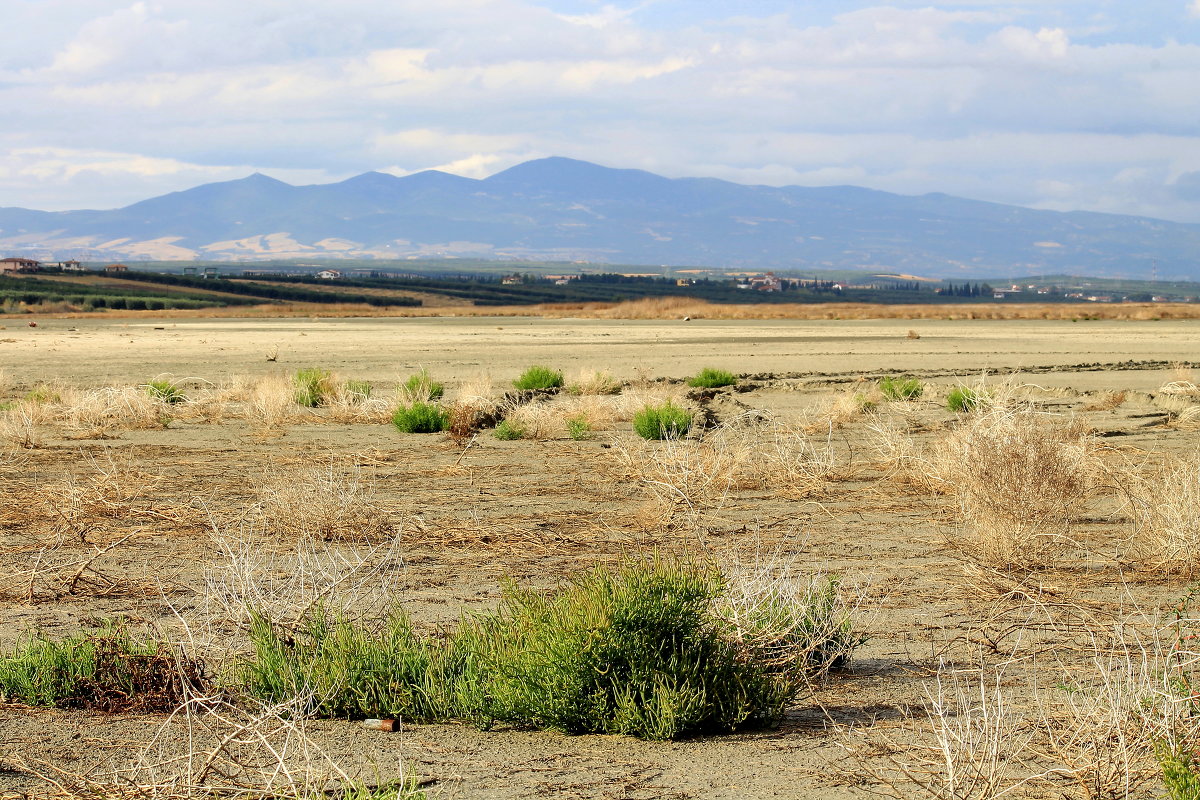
(539, 378)
(166, 391)
(665, 421)
(507, 431)
(710, 378)
(578, 427)
(901, 388)
(313, 387)
(420, 418)
(421, 387)
(964, 399)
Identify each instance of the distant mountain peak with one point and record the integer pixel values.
(565, 209)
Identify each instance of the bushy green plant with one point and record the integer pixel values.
(638, 651)
(348, 669)
(964, 399)
(507, 431)
(421, 386)
(165, 391)
(901, 388)
(312, 387)
(665, 421)
(106, 669)
(420, 418)
(578, 427)
(709, 378)
(539, 377)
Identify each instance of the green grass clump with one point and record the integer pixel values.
(358, 390)
(578, 427)
(107, 669)
(666, 421)
(166, 391)
(350, 670)
(507, 431)
(42, 394)
(312, 387)
(422, 387)
(964, 399)
(710, 378)
(538, 377)
(420, 418)
(901, 388)
(641, 651)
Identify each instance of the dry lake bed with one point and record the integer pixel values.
(171, 514)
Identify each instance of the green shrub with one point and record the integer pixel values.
(421, 387)
(965, 399)
(710, 378)
(507, 431)
(901, 388)
(420, 418)
(350, 670)
(578, 427)
(1178, 746)
(666, 421)
(640, 651)
(166, 391)
(538, 377)
(312, 387)
(106, 669)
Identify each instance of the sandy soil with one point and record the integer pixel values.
(537, 510)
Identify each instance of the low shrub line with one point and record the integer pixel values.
(656, 649)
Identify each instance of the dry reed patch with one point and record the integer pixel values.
(906, 461)
(326, 503)
(1019, 477)
(97, 413)
(232, 751)
(108, 488)
(269, 403)
(252, 573)
(986, 734)
(1106, 401)
(593, 382)
(20, 426)
(854, 404)
(1165, 507)
(782, 458)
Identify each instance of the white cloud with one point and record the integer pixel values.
(993, 100)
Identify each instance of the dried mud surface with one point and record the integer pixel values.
(539, 510)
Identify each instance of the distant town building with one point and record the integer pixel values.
(19, 265)
(329, 274)
(71, 266)
(115, 269)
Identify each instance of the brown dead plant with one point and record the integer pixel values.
(1165, 506)
(329, 503)
(1019, 476)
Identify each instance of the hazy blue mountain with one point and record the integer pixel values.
(559, 208)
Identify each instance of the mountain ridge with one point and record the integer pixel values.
(565, 209)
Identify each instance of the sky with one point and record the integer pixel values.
(1058, 104)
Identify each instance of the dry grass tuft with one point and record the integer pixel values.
(1166, 513)
(269, 403)
(593, 381)
(324, 503)
(1018, 476)
(1106, 401)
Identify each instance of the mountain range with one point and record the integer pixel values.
(568, 210)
